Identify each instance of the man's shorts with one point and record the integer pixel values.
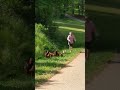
(71, 45)
(87, 45)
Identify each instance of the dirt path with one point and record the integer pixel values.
(109, 79)
(70, 78)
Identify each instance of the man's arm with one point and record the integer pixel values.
(74, 38)
(68, 38)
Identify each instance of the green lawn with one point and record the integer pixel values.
(46, 68)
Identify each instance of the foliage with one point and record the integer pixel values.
(42, 43)
(16, 43)
(47, 10)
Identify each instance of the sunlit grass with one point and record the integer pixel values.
(70, 21)
(72, 29)
(70, 24)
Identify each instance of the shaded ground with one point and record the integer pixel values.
(70, 78)
(109, 79)
(95, 64)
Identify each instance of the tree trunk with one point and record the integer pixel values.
(73, 11)
(79, 8)
(82, 7)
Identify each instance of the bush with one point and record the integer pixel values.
(42, 43)
(54, 35)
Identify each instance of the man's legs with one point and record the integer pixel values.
(87, 53)
(70, 47)
(87, 49)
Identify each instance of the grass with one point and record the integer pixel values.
(96, 63)
(47, 67)
(19, 82)
(103, 9)
(109, 3)
(107, 26)
(13, 78)
(78, 31)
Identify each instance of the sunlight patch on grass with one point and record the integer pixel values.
(73, 29)
(58, 22)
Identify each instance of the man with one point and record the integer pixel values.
(71, 40)
(90, 32)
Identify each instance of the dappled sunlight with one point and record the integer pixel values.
(73, 29)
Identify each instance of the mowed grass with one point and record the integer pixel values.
(47, 67)
(78, 29)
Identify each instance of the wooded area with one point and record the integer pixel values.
(48, 10)
(16, 42)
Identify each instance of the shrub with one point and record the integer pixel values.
(42, 43)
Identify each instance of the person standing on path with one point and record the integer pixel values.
(71, 40)
(90, 33)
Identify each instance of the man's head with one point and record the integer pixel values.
(70, 33)
(87, 18)
(30, 60)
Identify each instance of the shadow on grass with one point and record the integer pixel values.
(41, 72)
(113, 62)
(50, 64)
(46, 82)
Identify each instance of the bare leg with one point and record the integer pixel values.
(70, 48)
(87, 53)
